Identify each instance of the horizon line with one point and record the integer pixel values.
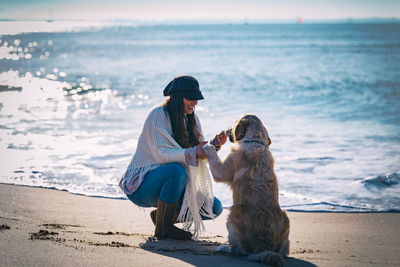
(222, 20)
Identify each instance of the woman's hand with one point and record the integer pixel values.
(219, 140)
(200, 154)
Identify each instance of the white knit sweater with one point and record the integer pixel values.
(156, 146)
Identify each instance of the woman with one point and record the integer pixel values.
(167, 170)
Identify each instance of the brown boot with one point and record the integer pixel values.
(153, 216)
(165, 222)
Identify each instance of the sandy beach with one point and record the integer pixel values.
(44, 227)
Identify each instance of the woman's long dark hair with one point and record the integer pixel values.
(185, 135)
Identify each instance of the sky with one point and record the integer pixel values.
(198, 9)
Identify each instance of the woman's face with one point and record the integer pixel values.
(188, 105)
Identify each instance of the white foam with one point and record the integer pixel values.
(18, 27)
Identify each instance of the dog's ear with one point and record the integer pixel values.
(266, 135)
(240, 128)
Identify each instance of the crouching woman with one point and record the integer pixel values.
(168, 170)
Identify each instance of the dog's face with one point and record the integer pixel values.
(248, 125)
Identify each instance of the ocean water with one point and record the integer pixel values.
(74, 96)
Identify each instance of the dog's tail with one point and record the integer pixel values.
(267, 257)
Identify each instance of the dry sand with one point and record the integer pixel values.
(44, 227)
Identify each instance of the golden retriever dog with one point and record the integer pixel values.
(257, 226)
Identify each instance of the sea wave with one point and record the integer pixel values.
(332, 207)
(18, 27)
(382, 181)
(73, 102)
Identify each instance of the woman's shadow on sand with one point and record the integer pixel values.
(203, 253)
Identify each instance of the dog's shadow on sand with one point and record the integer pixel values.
(203, 253)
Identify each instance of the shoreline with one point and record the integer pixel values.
(227, 207)
(42, 226)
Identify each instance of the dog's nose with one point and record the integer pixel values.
(269, 141)
(229, 134)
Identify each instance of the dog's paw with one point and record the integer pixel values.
(274, 259)
(224, 249)
(267, 257)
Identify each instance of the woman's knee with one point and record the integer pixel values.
(217, 207)
(175, 184)
(216, 210)
(177, 172)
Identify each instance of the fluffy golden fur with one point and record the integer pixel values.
(256, 224)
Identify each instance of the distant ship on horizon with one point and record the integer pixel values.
(50, 19)
(299, 20)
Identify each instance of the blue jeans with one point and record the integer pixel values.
(168, 183)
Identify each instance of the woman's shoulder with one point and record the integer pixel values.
(156, 110)
(157, 113)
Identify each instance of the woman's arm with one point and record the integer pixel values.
(162, 145)
(195, 153)
(219, 140)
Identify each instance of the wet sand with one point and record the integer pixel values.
(44, 227)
